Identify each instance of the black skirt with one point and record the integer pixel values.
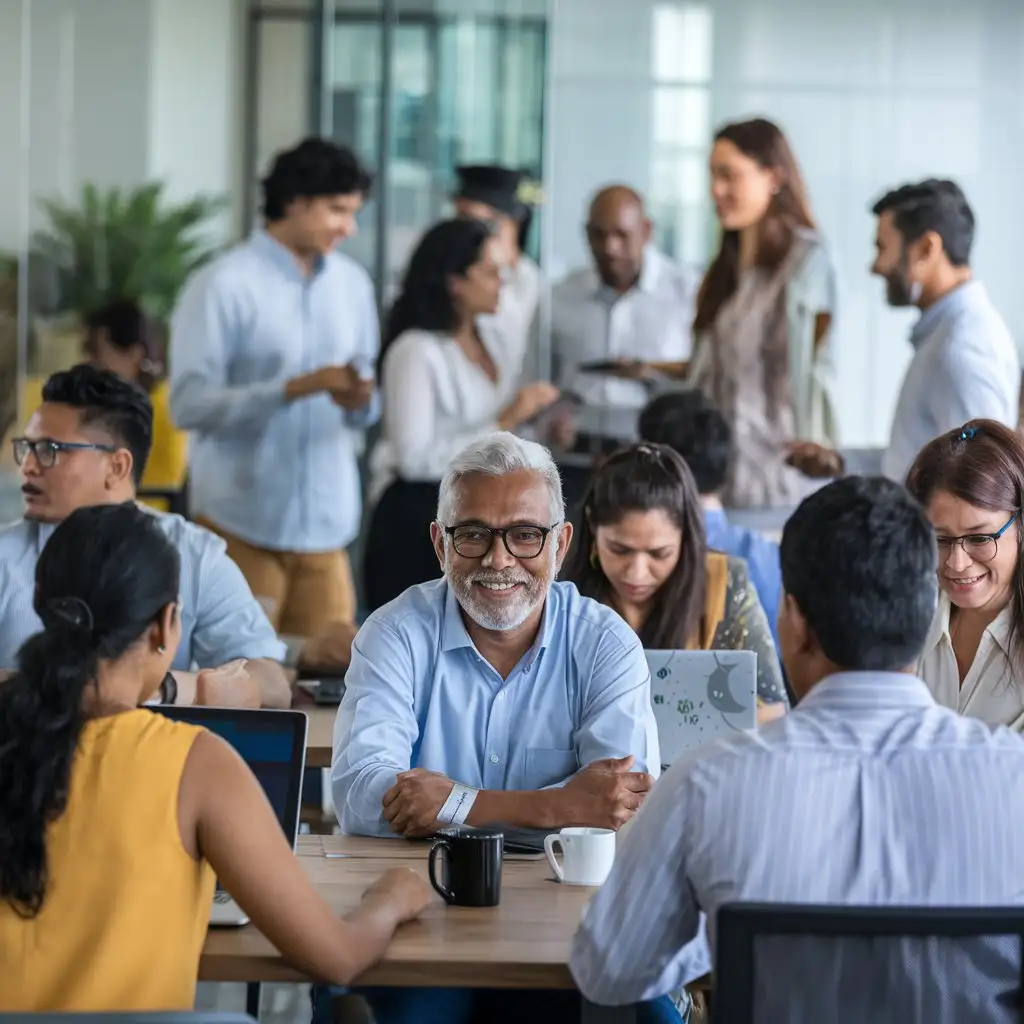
(399, 553)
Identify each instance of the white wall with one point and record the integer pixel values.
(12, 170)
(196, 103)
(871, 94)
(118, 92)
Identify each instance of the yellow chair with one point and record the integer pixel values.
(163, 483)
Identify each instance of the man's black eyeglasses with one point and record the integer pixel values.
(46, 451)
(525, 541)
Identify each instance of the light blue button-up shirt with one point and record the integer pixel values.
(220, 619)
(419, 695)
(280, 475)
(868, 793)
(965, 366)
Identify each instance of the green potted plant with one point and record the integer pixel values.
(130, 244)
(118, 244)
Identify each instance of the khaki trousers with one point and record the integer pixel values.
(302, 592)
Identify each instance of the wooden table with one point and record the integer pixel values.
(523, 943)
(320, 738)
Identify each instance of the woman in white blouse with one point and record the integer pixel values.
(447, 376)
(971, 484)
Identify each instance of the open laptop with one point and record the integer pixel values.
(700, 696)
(273, 745)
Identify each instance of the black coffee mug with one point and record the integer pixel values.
(472, 866)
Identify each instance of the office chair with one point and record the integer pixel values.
(739, 925)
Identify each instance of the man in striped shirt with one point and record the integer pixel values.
(868, 792)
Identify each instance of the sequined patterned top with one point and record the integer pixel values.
(744, 627)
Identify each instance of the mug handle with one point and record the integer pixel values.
(435, 851)
(550, 841)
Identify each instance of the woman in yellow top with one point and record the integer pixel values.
(121, 338)
(641, 551)
(114, 819)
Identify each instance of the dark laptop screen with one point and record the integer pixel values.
(272, 744)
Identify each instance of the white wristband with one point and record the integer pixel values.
(455, 810)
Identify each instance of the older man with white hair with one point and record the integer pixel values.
(494, 695)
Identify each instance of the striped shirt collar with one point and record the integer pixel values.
(853, 692)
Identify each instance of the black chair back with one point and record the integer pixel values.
(739, 925)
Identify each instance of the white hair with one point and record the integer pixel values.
(499, 454)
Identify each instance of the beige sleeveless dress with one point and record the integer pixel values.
(745, 363)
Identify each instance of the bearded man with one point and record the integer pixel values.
(965, 364)
(495, 695)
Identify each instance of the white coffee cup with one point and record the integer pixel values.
(587, 854)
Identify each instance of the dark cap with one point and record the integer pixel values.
(507, 191)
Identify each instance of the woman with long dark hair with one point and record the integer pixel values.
(763, 314)
(445, 379)
(114, 819)
(641, 550)
(971, 484)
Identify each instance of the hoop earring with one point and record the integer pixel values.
(161, 649)
(594, 563)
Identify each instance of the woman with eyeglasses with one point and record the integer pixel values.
(971, 484)
(114, 820)
(641, 550)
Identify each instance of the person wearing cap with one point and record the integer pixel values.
(505, 198)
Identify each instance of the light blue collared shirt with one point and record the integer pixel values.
(965, 366)
(220, 619)
(867, 792)
(280, 475)
(760, 554)
(419, 695)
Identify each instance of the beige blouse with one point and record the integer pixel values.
(991, 690)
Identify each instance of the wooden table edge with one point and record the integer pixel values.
(395, 973)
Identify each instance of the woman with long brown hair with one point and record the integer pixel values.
(971, 484)
(763, 313)
(641, 550)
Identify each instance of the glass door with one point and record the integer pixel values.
(435, 87)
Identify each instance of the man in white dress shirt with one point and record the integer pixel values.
(633, 306)
(965, 364)
(868, 792)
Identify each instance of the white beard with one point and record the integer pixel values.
(509, 614)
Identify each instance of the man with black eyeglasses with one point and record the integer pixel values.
(494, 685)
(87, 444)
(494, 695)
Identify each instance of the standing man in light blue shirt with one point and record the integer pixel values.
(965, 364)
(273, 350)
(690, 423)
(868, 792)
(494, 695)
